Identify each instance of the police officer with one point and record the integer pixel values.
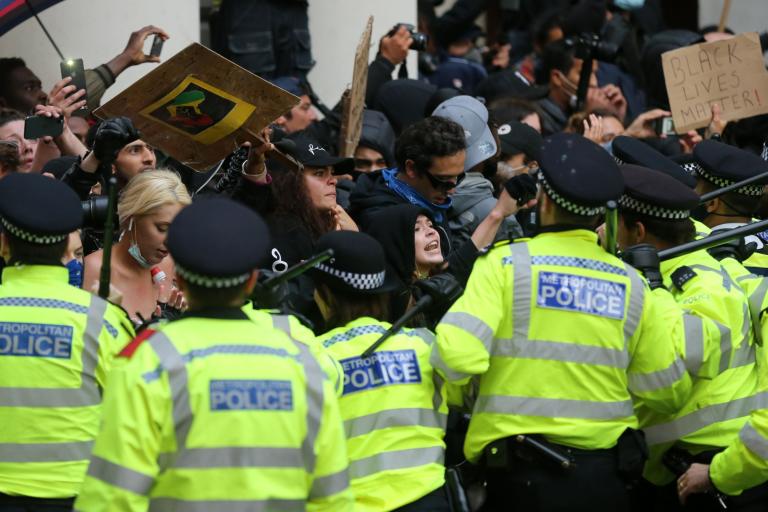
(213, 411)
(57, 343)
(655, 210)
(393, 403)
(718, 165)
(559, 333)
(629, 150)
(741, 466)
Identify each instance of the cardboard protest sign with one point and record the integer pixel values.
(730, 73)
(198, 106)
(353, 101)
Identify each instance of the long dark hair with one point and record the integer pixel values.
(292, 199)
(345, 307)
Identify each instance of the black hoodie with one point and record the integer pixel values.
(393, 227)
(371, 194)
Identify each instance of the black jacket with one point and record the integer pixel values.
(371, 194)
(292, 242)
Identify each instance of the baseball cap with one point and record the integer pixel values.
(472, 115)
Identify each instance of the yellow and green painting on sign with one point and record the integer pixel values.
(200, 111)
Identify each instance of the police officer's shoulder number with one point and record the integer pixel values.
(681, 276)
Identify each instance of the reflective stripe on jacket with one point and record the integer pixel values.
(560, 333)
(394, 412)
(57, 343)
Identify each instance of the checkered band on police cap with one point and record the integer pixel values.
(211, 281)
(749, 190)
(619, 161)
(32, 237)
(355, 280)
(652, 210)
(578, 209)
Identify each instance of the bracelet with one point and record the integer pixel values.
(258, 174)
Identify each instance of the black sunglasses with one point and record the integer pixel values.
(443, 184)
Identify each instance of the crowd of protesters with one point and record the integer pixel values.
(436, 175)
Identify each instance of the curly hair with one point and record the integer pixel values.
(289, 186)
(429, 138)
(7, 66)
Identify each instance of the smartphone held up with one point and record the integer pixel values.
(74, 69)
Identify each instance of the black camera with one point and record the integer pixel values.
(591, 46)
(95, 211)
(420, 39)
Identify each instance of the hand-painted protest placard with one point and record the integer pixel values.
(729, 72)
(198, 106)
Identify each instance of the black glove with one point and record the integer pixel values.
(737, 249)
(645, 258)
(522, 188)
(111, 137)
(444, 289)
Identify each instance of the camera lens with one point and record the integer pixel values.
(419, 43)
(95, 211)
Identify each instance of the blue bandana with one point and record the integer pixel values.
(409, 193)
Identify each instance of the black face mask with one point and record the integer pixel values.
(700, 212)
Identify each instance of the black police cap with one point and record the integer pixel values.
(628, 150)
(358, 265)
(687, 162)
(578, 175)
(656, 194)
(723, 165)
(38, 209)
(217, 243)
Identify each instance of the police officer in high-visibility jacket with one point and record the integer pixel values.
(654, 210)
(560, 333)
(393, 403)
(629, 150)
(741, 466)
(300, 333)
(719, 165)
(213, 411)
(57, 343)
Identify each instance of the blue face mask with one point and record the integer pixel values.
(629, 5)
(75, 268)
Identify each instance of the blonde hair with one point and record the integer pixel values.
(148, 191)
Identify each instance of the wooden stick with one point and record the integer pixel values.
(724, 15)
(275, 153)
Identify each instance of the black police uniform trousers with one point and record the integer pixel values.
(25, 504)
(536, 485)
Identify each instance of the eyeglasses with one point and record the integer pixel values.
(443, 184)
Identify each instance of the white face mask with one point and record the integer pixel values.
(134, 250)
